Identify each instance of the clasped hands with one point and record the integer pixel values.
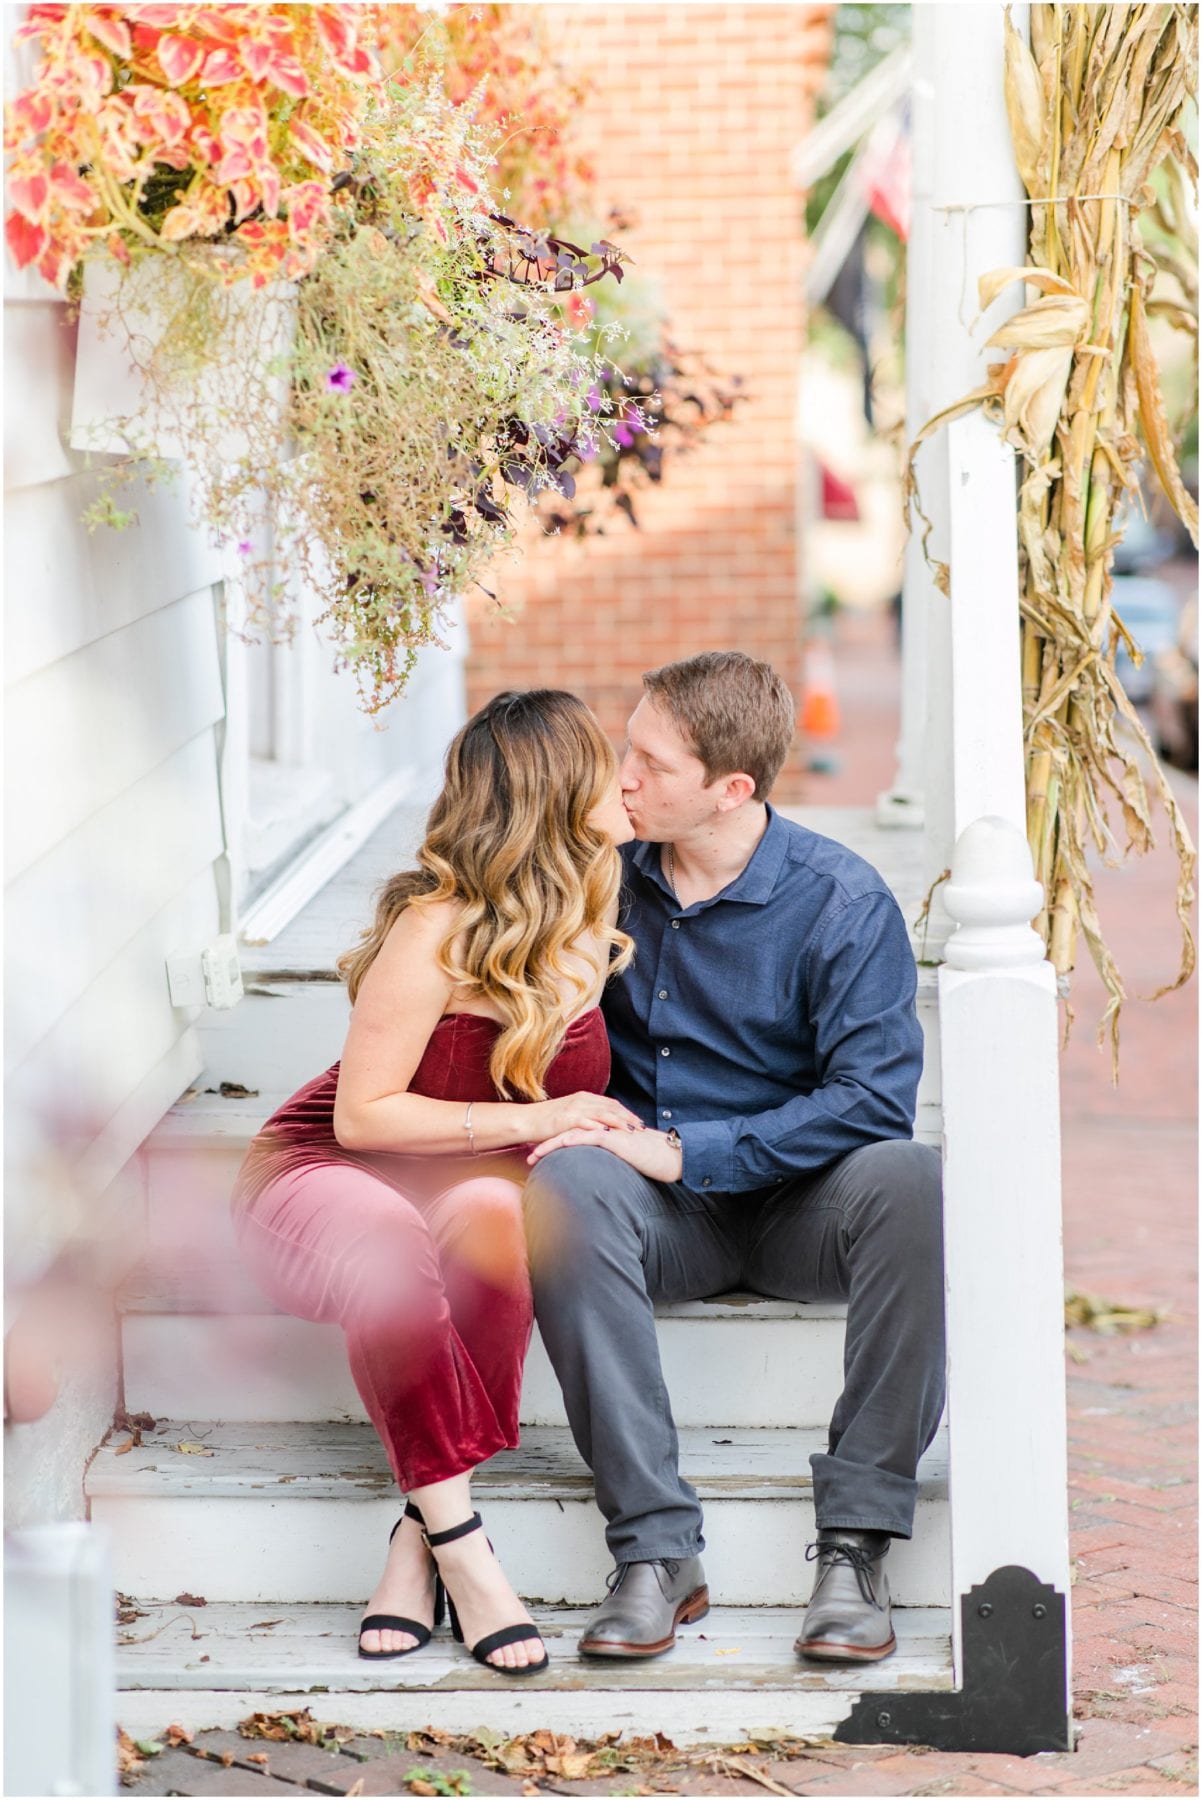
(578, 1119)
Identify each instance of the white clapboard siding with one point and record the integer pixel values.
(39, 374)
(81, 731)
(104, 1045)
(94, 891)
(68, 586)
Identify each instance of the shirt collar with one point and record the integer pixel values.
(753, 887)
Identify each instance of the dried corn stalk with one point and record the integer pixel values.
(1095, 105)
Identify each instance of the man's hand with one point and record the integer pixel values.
(647, 1151)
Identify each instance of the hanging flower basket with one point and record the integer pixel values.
(168, 353)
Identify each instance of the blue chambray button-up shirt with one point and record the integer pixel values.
(772, 1025)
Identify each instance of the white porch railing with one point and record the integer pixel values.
(962, 724)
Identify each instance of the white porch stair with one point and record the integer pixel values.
(287, 1518)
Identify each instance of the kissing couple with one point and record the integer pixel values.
(625, 1035)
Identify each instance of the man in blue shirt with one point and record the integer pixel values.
(766, 1035)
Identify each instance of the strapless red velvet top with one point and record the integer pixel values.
(454, 1066)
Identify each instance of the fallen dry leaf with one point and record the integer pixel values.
(574, 1766)
(189, 1449)
(125, 1448)
(190, 1600)
(1107, 1316)
(177, 1734)
(256, 1756)
(129, 1757)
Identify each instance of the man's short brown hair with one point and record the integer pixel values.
(735, 714)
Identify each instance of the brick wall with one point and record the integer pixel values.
(695, 113)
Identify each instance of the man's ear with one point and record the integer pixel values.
(737, 789)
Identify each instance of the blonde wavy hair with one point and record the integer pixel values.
(509, 839)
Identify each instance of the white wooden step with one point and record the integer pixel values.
(195, 1153)
(755, 1361)
(734, 1672)
(302, 1513)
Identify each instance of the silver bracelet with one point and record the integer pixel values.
(467, 1126)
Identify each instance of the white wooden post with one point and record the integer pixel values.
(998, 1025)
(1002, 1230)
(972, 220)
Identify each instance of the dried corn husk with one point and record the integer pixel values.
(1095, 104)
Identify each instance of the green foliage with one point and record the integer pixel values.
(429, 378)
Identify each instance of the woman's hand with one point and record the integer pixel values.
(647, 1151)
(579, 1112)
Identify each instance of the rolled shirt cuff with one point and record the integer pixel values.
(708, 1156)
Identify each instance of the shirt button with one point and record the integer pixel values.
(663, 993)
(665, 1052)
(676, 924)
(706, 1182)
(667, 1112)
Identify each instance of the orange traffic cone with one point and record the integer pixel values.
(819, 706)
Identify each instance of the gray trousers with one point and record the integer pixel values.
(606, 1244)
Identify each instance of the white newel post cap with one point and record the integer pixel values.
(993, 896)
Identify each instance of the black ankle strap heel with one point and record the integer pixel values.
(394, 1621)
(496, 1640)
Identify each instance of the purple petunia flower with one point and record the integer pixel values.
(245, 547)
(340, 378)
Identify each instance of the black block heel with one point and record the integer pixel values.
(497, 1640)
(393, 1621)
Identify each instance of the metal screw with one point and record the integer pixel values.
(884, 1720)
(985, 1610)
(1039, 1612)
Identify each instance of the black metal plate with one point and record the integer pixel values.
(1014, 1700)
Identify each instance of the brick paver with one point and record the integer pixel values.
(1130, 1234)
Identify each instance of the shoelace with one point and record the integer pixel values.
(857, 1556)
(615, 1575)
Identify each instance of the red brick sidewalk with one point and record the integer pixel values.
(1130, 1209)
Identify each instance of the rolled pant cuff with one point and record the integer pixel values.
(859, 1497)
(656, 1553)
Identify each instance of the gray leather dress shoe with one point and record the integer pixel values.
(647, 1601)
(847, 1619)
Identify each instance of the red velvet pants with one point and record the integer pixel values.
(432, 1294)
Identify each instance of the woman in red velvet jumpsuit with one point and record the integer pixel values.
(386, 1193)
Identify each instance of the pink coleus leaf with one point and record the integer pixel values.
(255, 57)
(308, 204)
(311, 144)
(235, 165)
(93, 78)
(269, 192)
(70, 189)
(38, 18)
(29, 195)
(205, 144)
(286, 73)
(179, 58)
(166, 115)
(26, 241)
(182, 221)
(110, 30)
(221, 67)
(33, 112)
